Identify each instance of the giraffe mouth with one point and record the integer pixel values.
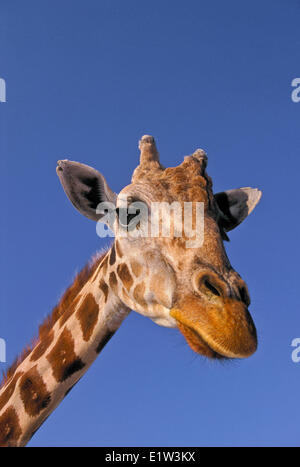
(218, 334)
(197, 343)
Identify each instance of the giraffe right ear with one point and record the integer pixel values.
(235, 205)
(85, 187)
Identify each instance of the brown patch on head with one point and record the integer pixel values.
(33, 391)
(63, 359)
(104, 287)
(104, 341)
(118, 249)
(8, 392)
(41, 348)
(138, 294)
(10, 430)
(165, 185)
(136, 268)
(125, 276)
(88, 315)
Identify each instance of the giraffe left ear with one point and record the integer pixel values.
(85, 187)
(235, 205)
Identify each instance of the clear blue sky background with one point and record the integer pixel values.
(85, 79)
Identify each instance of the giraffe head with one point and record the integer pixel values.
(168, 275)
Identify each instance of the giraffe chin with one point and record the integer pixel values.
(197, 344)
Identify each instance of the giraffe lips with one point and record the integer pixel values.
(197, 343)
(218, 332)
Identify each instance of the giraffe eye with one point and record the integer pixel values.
(125, 217)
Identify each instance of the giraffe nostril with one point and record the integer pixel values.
(211, 288)
(209, 285)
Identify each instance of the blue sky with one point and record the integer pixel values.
(85, 80)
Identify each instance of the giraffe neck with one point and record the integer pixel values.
(60, 358)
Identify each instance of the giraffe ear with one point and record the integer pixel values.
(85, 187)
(235, 205)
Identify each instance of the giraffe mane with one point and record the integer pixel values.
(62, 306)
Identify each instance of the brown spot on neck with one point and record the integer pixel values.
(8, 392)
(33, 391)
(10, 430)
(104, 287)
(112, 256)
(118, 249)
(113, 280)
(62, 358)
(125, 276)
(87, 315)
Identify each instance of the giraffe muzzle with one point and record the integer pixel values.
(218, 332)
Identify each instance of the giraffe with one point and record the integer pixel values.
(195, 290)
